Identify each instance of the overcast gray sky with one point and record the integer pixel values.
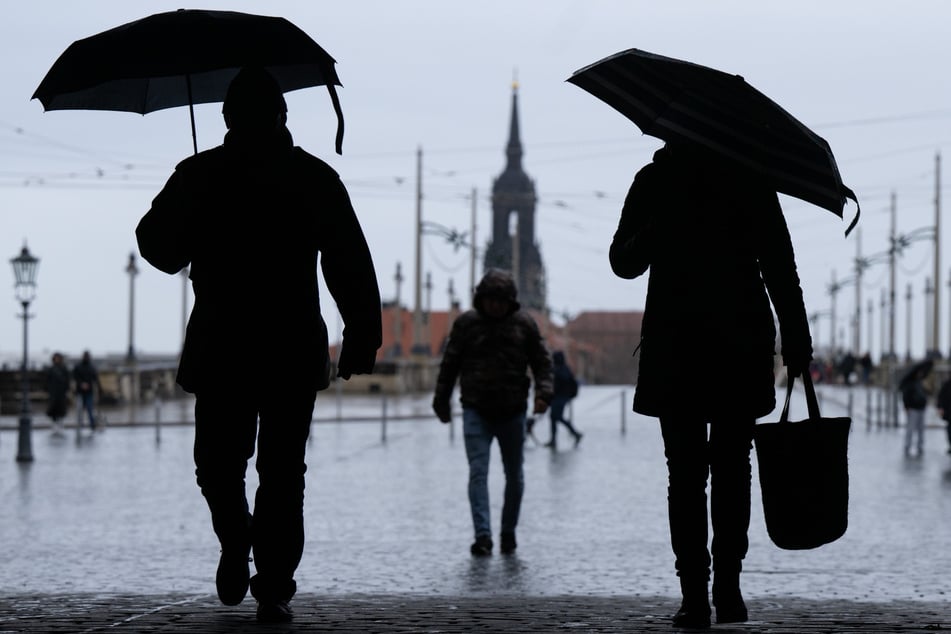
(870, 76)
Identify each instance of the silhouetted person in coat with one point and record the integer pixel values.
(716, 242)
(251, 217)
(57, 390)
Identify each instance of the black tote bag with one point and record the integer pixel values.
(804, 475)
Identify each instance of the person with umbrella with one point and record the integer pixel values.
(914, 397)
(252, 218)
(714, 238)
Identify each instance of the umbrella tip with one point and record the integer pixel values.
(515, 78)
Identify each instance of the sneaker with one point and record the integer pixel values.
(482, 546)
(578, 438)
(233, 575)
(508, 545)
(274, 612)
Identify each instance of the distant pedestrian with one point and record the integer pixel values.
(943, 403)
(254, 218)
(566, 389)
(866, 364)
(490, 350)
(914, 397)
(57, 391)
(88, 388)
(719, 251)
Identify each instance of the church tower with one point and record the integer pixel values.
(513, 248)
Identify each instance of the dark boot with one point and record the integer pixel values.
(727, 597)
(694, 610)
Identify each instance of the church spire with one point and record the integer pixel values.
(514, 149)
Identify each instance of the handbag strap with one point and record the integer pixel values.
(812, 403)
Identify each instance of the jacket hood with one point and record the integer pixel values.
(496, 283)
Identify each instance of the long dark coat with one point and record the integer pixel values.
(251, 217)
(715, 244)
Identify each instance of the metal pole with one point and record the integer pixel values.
(383, 421)
(472, 247)
(936, 308)
(834, 291)
(623, 412)
(418, 290)
(25, 431)
(929, 346)
(158, 419)
(908, 295)
(892, 252)
(871, 329)
(856, 336)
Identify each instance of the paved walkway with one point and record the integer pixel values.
(88, 613)
(108, 533)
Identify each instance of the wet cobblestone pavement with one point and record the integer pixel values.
(108, 532)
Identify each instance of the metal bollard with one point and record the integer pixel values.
(868, 407)
(158, 420)
(623, 412)
(879, 397)
(383, 421)
(850, 404)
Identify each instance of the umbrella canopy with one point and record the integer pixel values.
(923, 367)
(182, 58)
(676, 100)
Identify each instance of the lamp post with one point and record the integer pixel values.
(24, 272)
(132, 270)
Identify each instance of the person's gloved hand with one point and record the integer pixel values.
(443, 409)
(797, 366)
(354, 360)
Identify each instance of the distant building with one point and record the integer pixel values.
(614, 335)
(513, 192)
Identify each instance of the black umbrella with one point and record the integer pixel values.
(923, 367)
(676, 100)
(182, 58)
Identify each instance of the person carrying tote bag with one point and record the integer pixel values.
(804, 475)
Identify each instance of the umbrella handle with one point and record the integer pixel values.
(858, 208)
(336, 103)
(191, 111)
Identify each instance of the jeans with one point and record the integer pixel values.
(691, 457)
(88, 405)
(558, 405)
(479, 432)
(226, 426)
(915, 429)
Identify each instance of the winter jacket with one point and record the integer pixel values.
(491, 356)
(250, 218)
(914, 395)
(715, 242)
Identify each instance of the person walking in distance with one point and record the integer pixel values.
(57, 390)
(718, 249)
(490, 351)
(252, 218)
(566, 389)
(87, 388)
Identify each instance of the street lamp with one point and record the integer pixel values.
(132, 270)
(24, 272)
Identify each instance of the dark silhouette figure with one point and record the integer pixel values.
(250, 217)
(716, 242)
(914, 396)
(566, 388)
(866, 364)
(87, 388)
(491, 348)
(57, 390)
(943, 403)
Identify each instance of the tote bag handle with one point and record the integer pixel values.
(812, 403)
